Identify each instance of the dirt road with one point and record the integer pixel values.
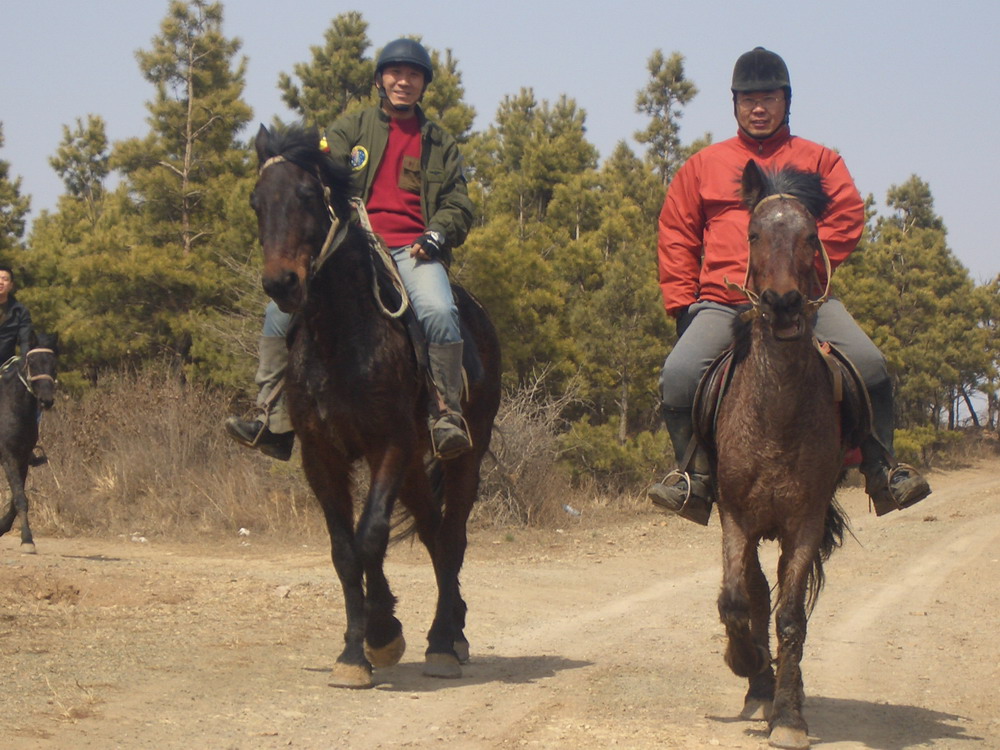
(602, 634)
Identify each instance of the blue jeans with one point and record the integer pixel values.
(426, 283)
(706, 330)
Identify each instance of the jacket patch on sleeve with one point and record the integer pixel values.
(359, 158)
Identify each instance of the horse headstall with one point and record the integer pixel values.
(24, 373)
(811, 306)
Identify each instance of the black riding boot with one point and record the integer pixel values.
(890, 485)
(271, 433)
(686, 491)
(449, 432)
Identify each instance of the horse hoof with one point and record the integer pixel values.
(754, 708)
(462, 651)
(350, 676)
(388, 655)
(28, 549)
(788, 738)
(445, 666)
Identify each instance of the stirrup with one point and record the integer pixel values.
(461, 425)
(692, 507)
(885, 500)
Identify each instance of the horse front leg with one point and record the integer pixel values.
(760, 695)
(329, 477)
(745, 654)
(384, 642)
(16, 477)
(787, 726)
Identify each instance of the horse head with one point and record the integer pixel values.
(784, 242)
(300, 194)
(39, 373)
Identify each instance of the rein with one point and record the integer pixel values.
(24, 373)
(755, 309)
(335, 238)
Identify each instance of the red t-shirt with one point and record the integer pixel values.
(394, 203)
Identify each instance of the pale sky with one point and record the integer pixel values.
(899, 88)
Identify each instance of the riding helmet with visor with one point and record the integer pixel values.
(408, 51)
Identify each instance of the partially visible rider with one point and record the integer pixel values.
(703, 240)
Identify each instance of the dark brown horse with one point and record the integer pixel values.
(27, 385)
(780, 450)
(356, 391)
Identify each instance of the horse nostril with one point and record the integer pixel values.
(281, 286)
(789, 303)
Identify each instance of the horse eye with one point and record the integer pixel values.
(753, 236)
(308, 192)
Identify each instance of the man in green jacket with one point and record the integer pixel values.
(408, 171)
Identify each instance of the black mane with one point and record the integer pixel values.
(299, 144)
(806, 187)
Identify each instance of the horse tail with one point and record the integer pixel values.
(403, 526)
(835, 528)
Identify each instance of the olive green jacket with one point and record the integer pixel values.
(359, 139)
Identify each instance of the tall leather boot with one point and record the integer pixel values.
(686, 491)
(449, 432)
(271, 433)
(890, 485)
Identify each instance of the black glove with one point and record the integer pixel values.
(432, 242)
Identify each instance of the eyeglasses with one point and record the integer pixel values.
(750, 103)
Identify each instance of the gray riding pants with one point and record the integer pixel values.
(706, 330)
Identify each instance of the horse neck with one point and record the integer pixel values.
(14, 390)
(781, 375)
(341, 298)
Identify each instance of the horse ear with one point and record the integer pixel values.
(260, 143)
(751, 185)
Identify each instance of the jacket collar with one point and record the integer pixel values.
(421, 117)
(765, 146)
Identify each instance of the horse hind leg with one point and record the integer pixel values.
(447, 646)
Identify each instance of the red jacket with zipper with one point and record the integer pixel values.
(703, 224)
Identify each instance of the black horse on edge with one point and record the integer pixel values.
(27, 385)
(780, 444)
(356, 390)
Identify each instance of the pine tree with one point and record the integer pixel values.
(14, 208)
(82, 162)
(917, 302)
(663, 99)
(337, 79)
(160, 266)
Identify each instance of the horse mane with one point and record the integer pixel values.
(299, 144)
(805, 187)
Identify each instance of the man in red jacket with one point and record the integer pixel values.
(703, 240)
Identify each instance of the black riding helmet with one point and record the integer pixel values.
(762, 70)
(408, 51)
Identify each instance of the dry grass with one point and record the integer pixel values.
(144, 455)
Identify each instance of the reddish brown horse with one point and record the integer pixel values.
(780, 450)
(356, 391)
